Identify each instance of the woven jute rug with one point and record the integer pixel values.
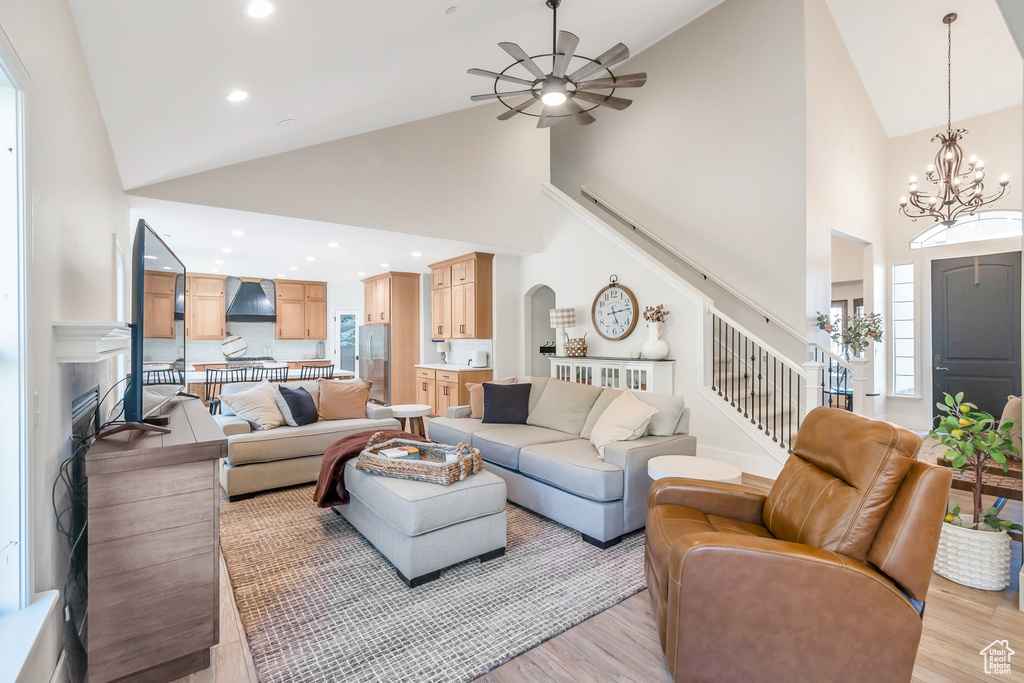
(319, 603)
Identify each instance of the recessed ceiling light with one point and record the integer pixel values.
(384, 265)
(150, 257)
(285, 122)
(280, 274)
(334, 245)
(238, 233)
(293, 268)
(417, 254)
(226, 250)
(237, 95)
(168, 268)
(219, 263)
(360, 273)
(452, 9)
(259, 9)
(311, 258)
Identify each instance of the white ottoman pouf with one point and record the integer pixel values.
(423, 528)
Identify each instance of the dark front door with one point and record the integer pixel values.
(976, 328)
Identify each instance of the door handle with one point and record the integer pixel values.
(937, 367)
(937, 361)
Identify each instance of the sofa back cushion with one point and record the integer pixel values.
(537, 386)
(602, 402)
(836, 488)
(564, 406)
(625, 419)
(667, 421)
(343, 400)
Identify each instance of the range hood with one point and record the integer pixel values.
(251, 305)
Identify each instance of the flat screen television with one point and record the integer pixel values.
(157, 363)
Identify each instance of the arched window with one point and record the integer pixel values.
(984, 225)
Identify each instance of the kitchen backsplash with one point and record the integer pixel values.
(462, 350)
(259, 337)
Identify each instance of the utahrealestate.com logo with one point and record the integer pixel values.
(997, 658)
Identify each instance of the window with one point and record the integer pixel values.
(904, 375)
(838, 310)
(984, 225)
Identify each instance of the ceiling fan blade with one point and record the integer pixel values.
(517, 54)
(566, 48)
(501, 77)
(610, 58)
(494, 96)
(619, 103)
(627, 81)
(582, 117)
(546, 119)
(505, 116)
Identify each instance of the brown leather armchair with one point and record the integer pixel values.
(822, 579)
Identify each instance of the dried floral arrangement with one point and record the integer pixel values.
(655, 314)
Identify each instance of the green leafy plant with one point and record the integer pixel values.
(974, 439)
(862, 330)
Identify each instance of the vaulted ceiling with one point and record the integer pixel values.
(162, 69)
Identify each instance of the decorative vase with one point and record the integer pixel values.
(978, 559)
(655, 348)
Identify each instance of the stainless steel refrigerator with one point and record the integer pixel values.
(375, 360)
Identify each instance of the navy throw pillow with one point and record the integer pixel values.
(506, 403)
(301, 408)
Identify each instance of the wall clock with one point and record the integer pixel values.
(615, 311)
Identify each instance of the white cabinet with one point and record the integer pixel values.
(615, 373)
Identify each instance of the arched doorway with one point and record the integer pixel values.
(537, 331)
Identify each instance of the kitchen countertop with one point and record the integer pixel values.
(451, 367)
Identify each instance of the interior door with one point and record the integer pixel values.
(976, 329)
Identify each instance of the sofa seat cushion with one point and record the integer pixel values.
(417, 507)
(296, 442)
(668, 523)
(452, 430)
(501, 445)
(573, 466)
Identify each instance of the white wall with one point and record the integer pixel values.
(847, 260)
(576, 263)
(76, 206)
(463, 176)
(995, 138)
(710, 156)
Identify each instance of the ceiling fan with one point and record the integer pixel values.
(561, 95)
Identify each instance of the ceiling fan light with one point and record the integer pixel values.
(553, 98)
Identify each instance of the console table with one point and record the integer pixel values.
(154, 548)
(655, 376)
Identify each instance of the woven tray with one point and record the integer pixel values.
(431, 466)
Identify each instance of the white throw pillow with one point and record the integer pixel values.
(256, 405)
(626, 418)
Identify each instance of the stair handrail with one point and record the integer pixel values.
(828, 353)
(769, 317)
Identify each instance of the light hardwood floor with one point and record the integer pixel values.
(621, 643)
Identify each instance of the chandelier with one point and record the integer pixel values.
(956, 189)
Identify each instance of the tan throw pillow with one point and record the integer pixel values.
(257, 405)
(1013, 410)
(343, 400)
(626, 418)
(476, 396)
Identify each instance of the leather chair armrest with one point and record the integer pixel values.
(742, 503)
(456, 412)
(375, 411)
(811, 612)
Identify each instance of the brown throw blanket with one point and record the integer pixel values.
(330, 485)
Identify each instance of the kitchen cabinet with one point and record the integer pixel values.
(301, 309)
(158, 305)
(462, 308)
(377, 300)
(205, 307)
(442, 388)
(441, 313)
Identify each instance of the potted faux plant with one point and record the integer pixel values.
(862, 330)
(655, 347)
(974, 550)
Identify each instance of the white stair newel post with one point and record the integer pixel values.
(812, 388)
(860, 384)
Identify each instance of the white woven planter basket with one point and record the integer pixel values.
(979, 559)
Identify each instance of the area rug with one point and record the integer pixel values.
(319, 603)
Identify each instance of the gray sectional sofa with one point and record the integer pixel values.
(285, 456)
(550, 466)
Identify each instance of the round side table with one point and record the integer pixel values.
(413, 414)
(693, 467)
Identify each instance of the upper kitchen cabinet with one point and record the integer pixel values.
(461, 297)
(377, 298)
(205, 310)
(301, 309)
(158, 301)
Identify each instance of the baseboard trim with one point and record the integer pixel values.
(762, 467)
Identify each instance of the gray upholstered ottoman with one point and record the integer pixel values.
(424, 528)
